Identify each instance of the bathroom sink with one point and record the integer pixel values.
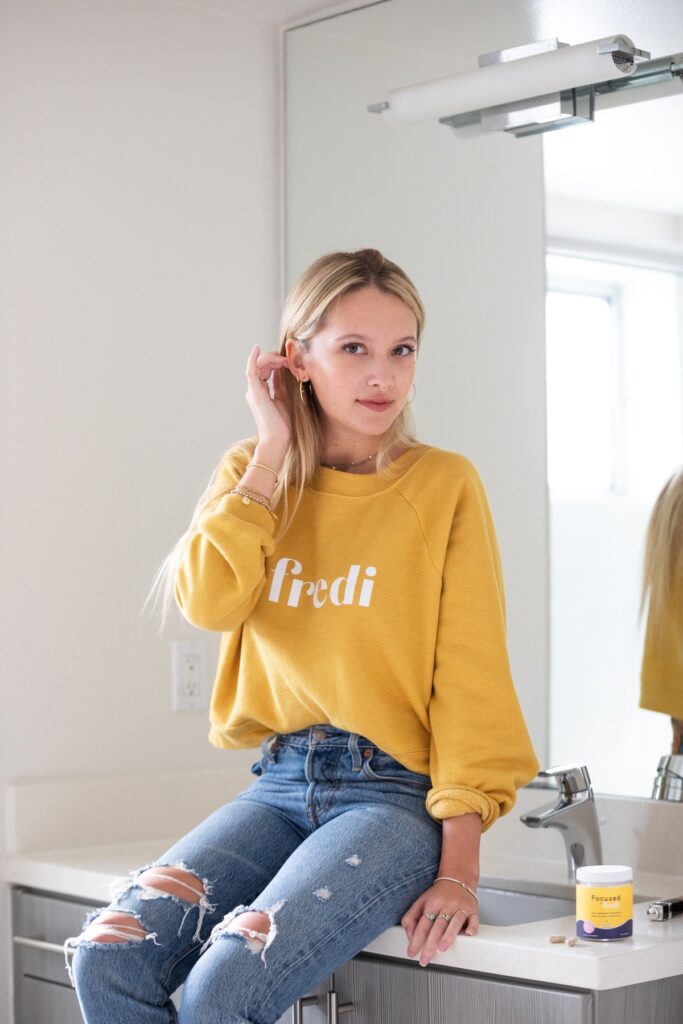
(503, 901)
(506, 906)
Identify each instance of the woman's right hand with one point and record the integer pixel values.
(272, 417)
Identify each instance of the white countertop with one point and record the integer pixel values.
(523, 950)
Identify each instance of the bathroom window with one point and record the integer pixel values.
(615, 435)
(613, 340)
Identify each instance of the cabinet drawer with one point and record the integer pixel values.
(42, 1002)
(41, 915)
(46, 920)
(383, 992)
(475, 999)
(386, 992)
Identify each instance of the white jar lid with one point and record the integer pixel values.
(598, 874)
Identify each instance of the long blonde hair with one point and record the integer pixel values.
(326, 280)
(663, 560)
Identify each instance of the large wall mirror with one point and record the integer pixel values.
(552, 272)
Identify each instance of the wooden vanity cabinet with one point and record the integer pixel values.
(385, 991)
(392, 992)
(369, 989)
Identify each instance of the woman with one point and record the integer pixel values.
(355, 576)
(661, 677)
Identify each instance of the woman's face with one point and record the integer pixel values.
(362, 362)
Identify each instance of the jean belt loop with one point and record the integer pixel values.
(270, 745)
(356, 758)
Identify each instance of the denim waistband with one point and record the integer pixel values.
(325, 745)
(313, 736)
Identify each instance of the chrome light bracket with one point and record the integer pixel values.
(554, 110)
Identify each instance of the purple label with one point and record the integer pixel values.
(587, 930)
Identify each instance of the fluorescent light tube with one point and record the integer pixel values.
(568, 67)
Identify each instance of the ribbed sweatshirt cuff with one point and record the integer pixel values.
(446, 802)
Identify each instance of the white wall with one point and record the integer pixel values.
(139, 264)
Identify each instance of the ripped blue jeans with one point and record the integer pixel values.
(331, 842)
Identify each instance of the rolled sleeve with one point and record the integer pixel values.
(480, 751)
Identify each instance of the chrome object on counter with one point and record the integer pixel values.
(664, 910)
(668, 784)
(573, 813)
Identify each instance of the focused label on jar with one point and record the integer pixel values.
(604, 912)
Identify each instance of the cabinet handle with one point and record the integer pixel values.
(298, 1008)
(335, 1008)
(46, 947)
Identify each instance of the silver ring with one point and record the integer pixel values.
(432, 917)
(446, 917)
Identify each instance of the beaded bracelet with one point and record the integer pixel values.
(250, 492)
(248, 495)
(447, 878)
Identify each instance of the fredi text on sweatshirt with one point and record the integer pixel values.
(340, 591)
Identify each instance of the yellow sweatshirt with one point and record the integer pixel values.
(661, 676)
(381, 611)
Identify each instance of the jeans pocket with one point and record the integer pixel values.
(382, 767)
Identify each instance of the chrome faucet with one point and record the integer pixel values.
(574, 813)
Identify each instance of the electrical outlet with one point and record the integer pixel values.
(188, 676)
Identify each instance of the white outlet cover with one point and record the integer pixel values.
(189, 690)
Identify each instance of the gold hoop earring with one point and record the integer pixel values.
(413, 398)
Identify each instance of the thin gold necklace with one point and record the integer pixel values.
(344, 468)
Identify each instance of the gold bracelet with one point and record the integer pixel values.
(256, 495)
(261, 466)
(248, 496)
(447, 878)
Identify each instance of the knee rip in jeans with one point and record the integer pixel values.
(252, 929)
(173, 882)
(111, 927)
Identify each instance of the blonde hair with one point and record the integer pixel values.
(663, 560)
(306, 308)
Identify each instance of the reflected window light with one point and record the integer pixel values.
(613, 373)
(582, 376)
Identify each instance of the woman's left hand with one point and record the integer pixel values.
(427, 935)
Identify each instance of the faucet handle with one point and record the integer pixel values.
(570, 778)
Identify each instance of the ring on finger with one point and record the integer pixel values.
(432, 917)
(446, 917)
(462, 912)
(263, 378)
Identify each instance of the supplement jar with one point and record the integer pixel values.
(604, 902)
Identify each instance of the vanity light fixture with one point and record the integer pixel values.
(537, 87)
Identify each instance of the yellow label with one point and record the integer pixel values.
(604, 906)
